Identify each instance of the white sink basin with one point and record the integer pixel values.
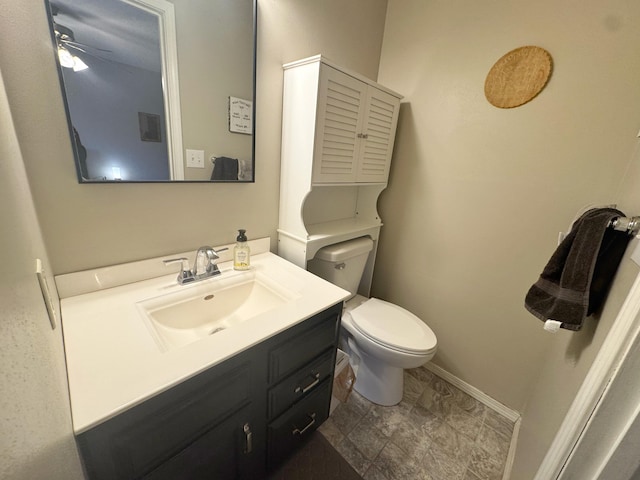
(211, 307)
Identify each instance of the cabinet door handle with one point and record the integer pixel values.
(316, 381)
(248, 437)
(297, 431)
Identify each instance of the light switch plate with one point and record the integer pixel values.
(195, 158)
(46, 294)
(635, 255)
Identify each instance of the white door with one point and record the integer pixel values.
(380, 120)
(341, 105)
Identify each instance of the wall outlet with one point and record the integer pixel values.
(195, 158)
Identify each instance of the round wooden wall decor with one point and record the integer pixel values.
(518, 77)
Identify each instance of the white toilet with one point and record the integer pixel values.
(386, 337)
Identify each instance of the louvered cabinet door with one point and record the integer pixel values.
(341, 107)
(378, 135)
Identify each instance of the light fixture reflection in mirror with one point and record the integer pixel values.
(145, 80)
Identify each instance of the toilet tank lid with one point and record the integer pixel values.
(344, 250)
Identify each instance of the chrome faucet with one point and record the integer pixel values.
(204, 266)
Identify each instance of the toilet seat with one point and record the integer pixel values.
(393, 327)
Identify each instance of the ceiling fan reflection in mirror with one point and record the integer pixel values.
(68, 47)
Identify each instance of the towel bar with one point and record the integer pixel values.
(624, 224)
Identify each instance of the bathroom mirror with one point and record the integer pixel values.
(158, 90)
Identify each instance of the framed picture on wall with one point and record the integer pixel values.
(240, 116)
(149, 127)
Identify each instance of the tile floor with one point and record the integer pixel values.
(437, 432)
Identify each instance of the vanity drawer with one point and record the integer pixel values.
(291, 429)
(302, 382)
(303, 343)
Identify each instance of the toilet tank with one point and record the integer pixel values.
(342, 263)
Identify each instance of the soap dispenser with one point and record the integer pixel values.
(241, 252)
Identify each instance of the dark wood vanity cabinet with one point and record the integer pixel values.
(235, 420)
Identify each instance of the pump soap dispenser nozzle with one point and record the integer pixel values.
(241, 252)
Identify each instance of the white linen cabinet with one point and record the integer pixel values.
(338, 131)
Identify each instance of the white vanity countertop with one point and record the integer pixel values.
(114, 362)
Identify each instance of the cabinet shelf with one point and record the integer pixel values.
(348, 184)
(349, 227)
(317, 232)
(300, 249)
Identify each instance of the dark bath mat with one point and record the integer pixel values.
(316, 460)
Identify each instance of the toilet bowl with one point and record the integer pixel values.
(386, 338)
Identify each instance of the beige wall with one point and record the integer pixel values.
(36, 439)
(215, 51)
(91, 225)
(478, 194)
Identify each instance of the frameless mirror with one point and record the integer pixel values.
(158, 90)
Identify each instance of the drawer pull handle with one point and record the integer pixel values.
(248, 436)
(316, 381)
(307, 427)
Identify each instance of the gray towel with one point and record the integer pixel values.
(577, 277)
(225, 168)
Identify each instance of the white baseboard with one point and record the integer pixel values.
(490, 402)
(512, 450)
